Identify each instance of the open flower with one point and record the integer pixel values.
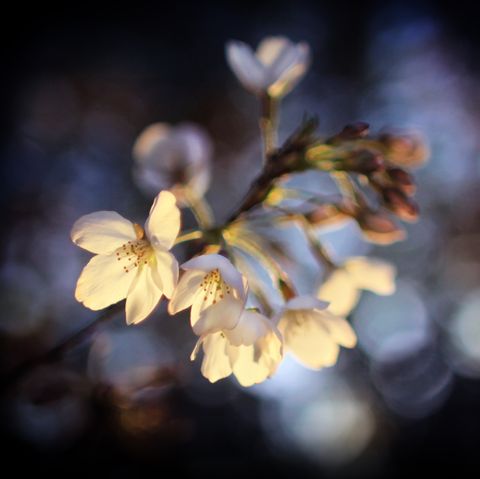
(131, 262)
(313, 334)
(343, 287)
(214, 289)
(251, 351)
(274, 69)
(173, 158)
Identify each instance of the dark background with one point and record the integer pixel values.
(79, 82)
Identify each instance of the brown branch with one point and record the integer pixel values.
(287, 159)
(57, 352)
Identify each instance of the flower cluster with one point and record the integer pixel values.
(242, 327)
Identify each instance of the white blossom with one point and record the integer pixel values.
(174, 158)
(313, 334)
(214, 289)
(251, 351)
(274, 69)
(131, 262)
(342, 289)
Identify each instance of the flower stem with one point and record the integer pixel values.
(268, 124)
(190, 236)
(201, 210)
(57, 352)
(316, 247)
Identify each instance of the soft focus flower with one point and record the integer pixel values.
(251, 351)
(343, 287)
(275, 68)
(173, 158)
(214, 289)
(405, 148)
(312, 333)
(377, 227)
(131, 262)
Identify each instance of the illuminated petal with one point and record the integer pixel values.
(148, 141)
(255, 363)
(143, 296)
(163, 223)
(209, 262)
(223, 315)
(166, 272)
(173, 158)
(216, 363)
(372, 274)
(340, 330)
(251, 326)
(270, 48)
(288, 69)
(305, 302)
(309, 341)
(340, 291)
(197, 149)
(103, 282)
(195, 142)
(187, 288)
(246, 66)
(102, 232)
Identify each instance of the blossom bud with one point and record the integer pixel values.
(397, 202)
(355, 130)
(405, 149)
(402, 179)
(377, 227)
(325, 215)
(362, 161)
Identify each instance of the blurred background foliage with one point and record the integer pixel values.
(79, 83)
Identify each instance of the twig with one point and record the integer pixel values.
(57, 352)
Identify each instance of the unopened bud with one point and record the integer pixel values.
(398, 202)
(402, 179)
(362, 161)
(325, 215)
(379, 228)
(355, 130)
(405, 149)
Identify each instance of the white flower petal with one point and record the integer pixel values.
(148, 141)
(216, 363)
(196, 348)
(270, 48)
(168, 158)
(102, 232)
(195, 142)
(187, 288)
(197, 150)
(163, 223)
(245, 65)
(251, 326)
(340, 291)
(103, 282)
(305, 302)
(209, 262)
(340, 330)
(309, 341)
(223, 315)
(372, 274)
(288, 69)
(255, 363)
(166, 272)
(143, 296)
